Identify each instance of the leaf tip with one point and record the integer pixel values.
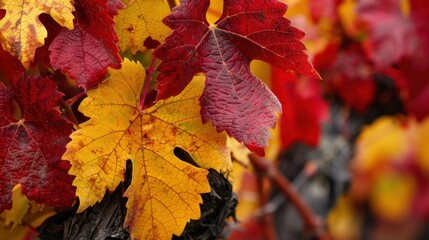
(256, 148)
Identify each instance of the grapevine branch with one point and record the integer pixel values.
(262, 166)
(267, 221)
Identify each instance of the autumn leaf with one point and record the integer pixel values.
(233, 99)
(386, 46)
(25, 216)
(20, 207)
(345, 219)
(324, 9)
(165, 191)
(416, 66)
(348, 73)
(406, 47)
(21, 32)
(390, 168)
(115, 6)
(31, 147)
(85, 53)
(302, 100)
(140, 20)
(409, 40)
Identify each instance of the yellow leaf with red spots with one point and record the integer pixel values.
(21, 31)
(165, 192)
(139, 20)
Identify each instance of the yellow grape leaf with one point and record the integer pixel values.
(422, 145)
(20, 207)
(139, 20)
(348, 17)
(21, 31)
(215, 11)
(380, 143)
(19, 233)
(262, 70)
(345, 220)
(30, 222)
(28, 213)
(392, 195)
(165, 192)
(297, 8)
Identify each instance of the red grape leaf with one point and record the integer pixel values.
(85, 53)
(115, 6)
(416, 66)
(303, 105)
(31, 148)
(390, 31)
(407, 46)
(324, 9)
(348, 74)
(233, 98)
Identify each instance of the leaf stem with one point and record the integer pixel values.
(75, 98)
(67, 106)
(147, 80)
(310, 219)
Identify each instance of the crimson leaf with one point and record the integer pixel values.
(31, 148)
(233, 99)
(302, 99)
(85, 53)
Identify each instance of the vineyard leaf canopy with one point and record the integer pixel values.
(138, 21)
(233, 98)
(21, 31)
(31, 148)
(165, 191)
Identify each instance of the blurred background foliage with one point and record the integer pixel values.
(354, 145)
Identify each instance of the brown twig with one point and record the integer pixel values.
(267, 221)
(310, 219)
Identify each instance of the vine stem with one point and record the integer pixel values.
(266, 220)
(147, 79)
(262, 166)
